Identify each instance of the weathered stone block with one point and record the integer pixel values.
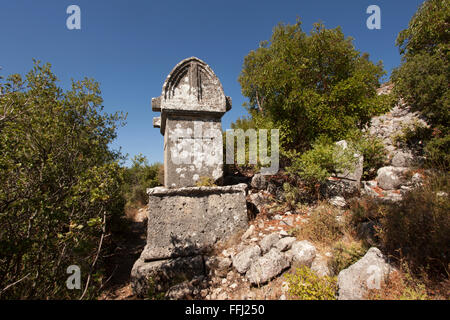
(158, 276)
(189, 221)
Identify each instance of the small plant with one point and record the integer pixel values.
(344, 255)
(205, 182)
(152, 292)
(322, 226)
(306, 285)
(374, 153)
(291, 194)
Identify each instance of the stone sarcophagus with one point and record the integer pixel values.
(185, 221)
(192, 104)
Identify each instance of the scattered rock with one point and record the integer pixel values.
(248, 233)
(338, 201)
(259, 181)
(320, 266)
(402, 159)
(285, 243)
(267, 267)
(269, 241)
(258, 200)
(244, 259)
(302, 253)
(389, 178)
(180, 291)
(367, 273)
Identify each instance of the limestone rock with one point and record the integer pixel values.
(244, 259)
(338, 201)
(180, 291)
(267, 267)
(258, 200)
(302, 253)
(158, 275)
(269, 241)
(285, 243)
(248, 233)
(389, 178)
(320, 266)
(259, 181)
(367, 273)
(188, 221)
(402, 159)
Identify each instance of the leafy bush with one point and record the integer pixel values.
(60, 185)
(310, 86)
(319, 163)
(138, 178)
(418, 227)
(306, 285)
(345, 254)
(374, 153)
(422, 79)
(322, 226)
(437, 152)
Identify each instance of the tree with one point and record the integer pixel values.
(423, 77)
(60, 185)
(311, 86)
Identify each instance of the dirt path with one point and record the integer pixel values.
(126, 254)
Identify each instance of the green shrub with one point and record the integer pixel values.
(306, 285)
(437, 152)
(374, 153)
(60, 185)
(418, 227)
(319, 163)
(345, 254)
(311, 85)
(138, 178)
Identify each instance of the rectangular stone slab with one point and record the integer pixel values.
(189, 221)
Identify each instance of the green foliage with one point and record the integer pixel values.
(437, 152)
(60, 184)
(306, 285)
(374, 153)
(138, 178)
(311, 85)
(291, 194)
(324, 159)
(422, 79)
(345, 254)
(419, 226)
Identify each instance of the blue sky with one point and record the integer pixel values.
(129, 47)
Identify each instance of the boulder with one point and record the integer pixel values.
(389, 178)
(158, 276)
(338, 201)
(402, 159)
(367, 273)
(244, 259)
(267, 267)
(269, 241)
(180, 291)
(301, 253)
(219, 265)
(258, 200)
(285, 243)
(259, 181)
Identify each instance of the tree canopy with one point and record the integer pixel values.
(311, 86)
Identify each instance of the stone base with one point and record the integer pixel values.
(158, 276)
(183, 225)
